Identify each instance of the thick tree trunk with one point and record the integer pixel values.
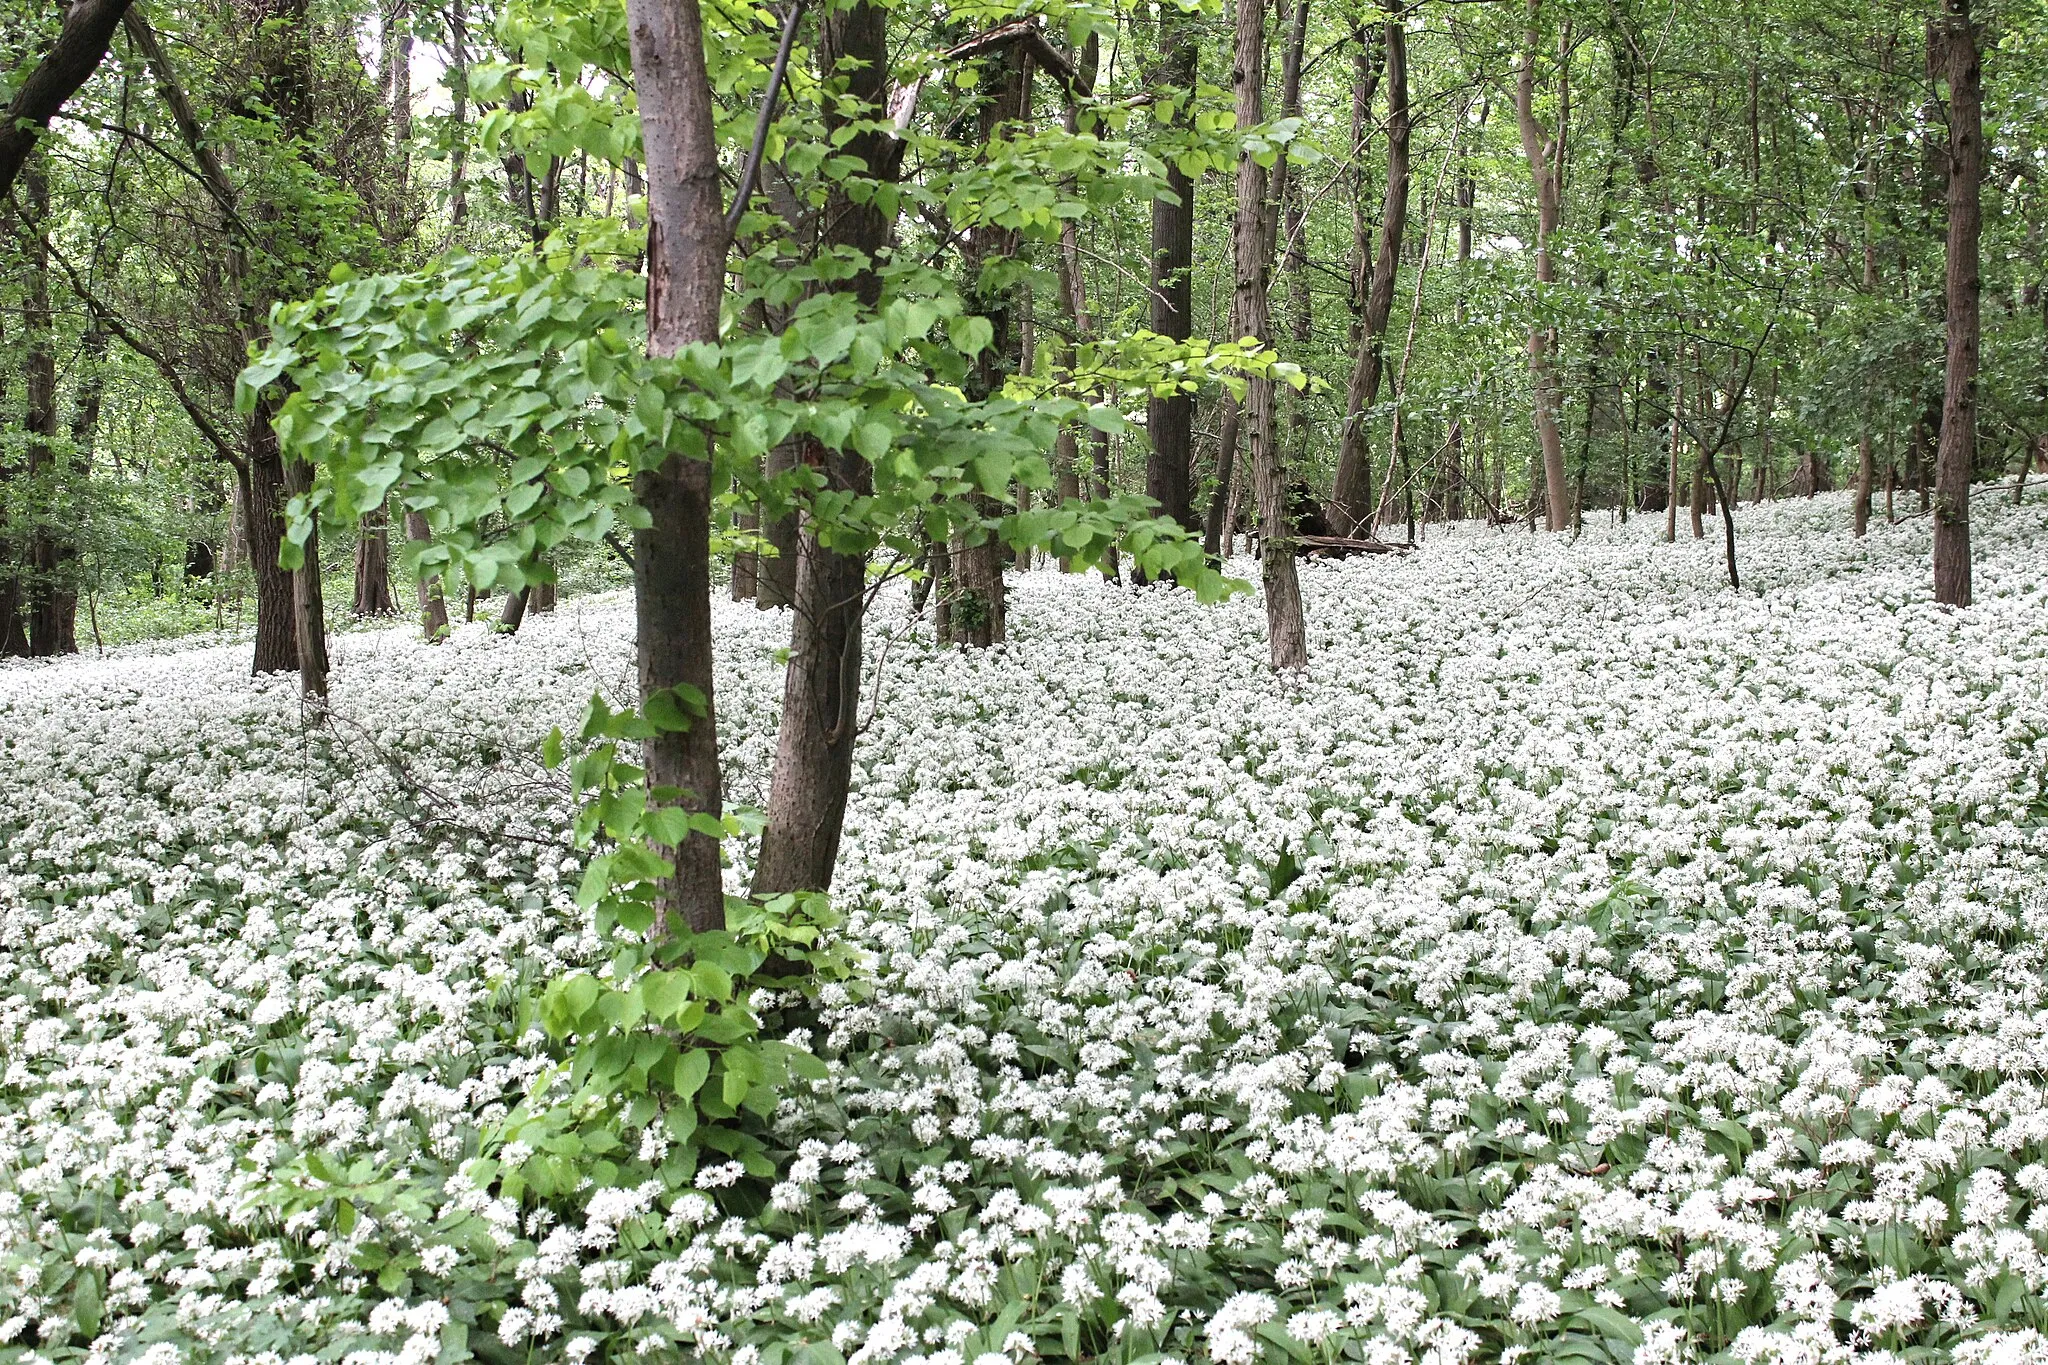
(309, 608)
(821, 689)
(1954, 40)
(1286, 633)
(686, 252)
(979, 608)
(1170, 421)
(262, 496)
(372, 595)
(1542, 153)
(1351, 504)
(433, 604)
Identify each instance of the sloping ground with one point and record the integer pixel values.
(1583, 961)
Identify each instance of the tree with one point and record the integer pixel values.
(1351, 503)
(1545, 153)
(1286, 632)
(1952, 53)
(686, 246)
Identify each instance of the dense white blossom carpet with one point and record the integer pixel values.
(1583, 961)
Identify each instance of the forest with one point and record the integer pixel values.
(831, 682)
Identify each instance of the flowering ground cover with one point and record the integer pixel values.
(1583, 962)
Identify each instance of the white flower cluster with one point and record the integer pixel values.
(1582, 960)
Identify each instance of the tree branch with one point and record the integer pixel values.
(80, 47)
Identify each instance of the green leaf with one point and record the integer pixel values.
(691, 1069)
(970, 333)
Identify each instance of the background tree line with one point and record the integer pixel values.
(801, 299)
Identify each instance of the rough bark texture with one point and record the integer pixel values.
(262, 495)
(1170, 421)
(1286, 634)
(672, 555)
(80, 47)
(1953, 39)
(1351, 504)
(1541, 151)
(821, 689)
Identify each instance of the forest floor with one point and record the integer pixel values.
(1582, 961)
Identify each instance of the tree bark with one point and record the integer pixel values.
(1541, 151)
(1351, 504)
(1286, 633)
(686, 248)
(1220, 500)
(979, 607)
(775, 578)
(262, 494)
(1954, 39)
(372, 595)
(1170, 421)
(39, 423)
(821, 689)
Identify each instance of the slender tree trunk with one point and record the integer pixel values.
(775, 576)
(1866, 473)
(1215, 529)
(433, 605)
(39, 420)
(1286, 633)
(309, 608)
(821, 689)
(672, 556)
(1671, 467)
(746, 565)
(1351, 504)
(1169, 421)
(1542, 152)
(1955, 38)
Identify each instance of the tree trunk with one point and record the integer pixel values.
(1287, 634)
(433, 605)
(1169, 421)
(1953, 40)
(746, 565)
(1542, 152)
(672, 556)
(39, 422)
(309, 609)
(979, 606)
(1351, 502)
(821, 689)
(1220, 500)
(775, 578)
(262, 496)
(373, 566)
(1671, 467)
(1866, 475)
